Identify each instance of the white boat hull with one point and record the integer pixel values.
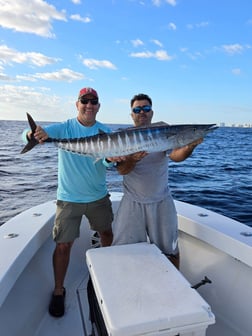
(211, 245)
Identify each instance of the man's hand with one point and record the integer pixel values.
(40, 135)
(138, 156)
(126, 166)
(194, 144)
(132, 157)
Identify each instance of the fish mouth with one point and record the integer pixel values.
(212, 127)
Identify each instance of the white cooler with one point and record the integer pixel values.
(140, 292)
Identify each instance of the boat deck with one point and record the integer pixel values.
(26, 274)
(76, 319)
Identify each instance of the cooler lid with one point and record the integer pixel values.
(139, 291)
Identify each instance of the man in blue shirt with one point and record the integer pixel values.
(81, 190)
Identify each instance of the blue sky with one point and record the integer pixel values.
(193, 57)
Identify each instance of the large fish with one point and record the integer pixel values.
(153, 138)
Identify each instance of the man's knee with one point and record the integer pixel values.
(63, 248)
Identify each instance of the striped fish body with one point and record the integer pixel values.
(150, 139)
(153, 138)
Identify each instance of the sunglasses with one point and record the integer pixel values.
(85, 101)
(138, 109)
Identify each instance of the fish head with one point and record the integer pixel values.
(185, 134)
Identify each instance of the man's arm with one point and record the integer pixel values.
(180, 154)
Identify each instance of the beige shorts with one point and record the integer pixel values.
(68, 218)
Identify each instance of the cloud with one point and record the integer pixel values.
(236, 71)
(95, 64)
(172, 26)
(5, 78)
(25, 78)
(77, 17)
(76, 2)
(63, 75)
(195, 55)
(170, 2)
(232, 49)
(66, 75)
(160, 55)
(19, 94)
(158, 43)
(15, 100)
(137, 42)
(9, 56)
(33, 16)
(202, 24)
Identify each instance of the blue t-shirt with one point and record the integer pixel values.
(81, 179)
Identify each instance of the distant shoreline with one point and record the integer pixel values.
(115, 124)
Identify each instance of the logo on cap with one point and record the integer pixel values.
(86, 91)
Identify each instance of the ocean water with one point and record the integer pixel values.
(218, 176)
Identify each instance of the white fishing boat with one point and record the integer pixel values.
(214, 249)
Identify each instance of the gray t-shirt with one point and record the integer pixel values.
(148, 181)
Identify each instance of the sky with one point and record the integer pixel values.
(192, 57)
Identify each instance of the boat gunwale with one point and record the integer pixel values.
(221, 232)
(22, 236)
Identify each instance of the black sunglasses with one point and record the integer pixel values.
(85, 101)
(145, 108)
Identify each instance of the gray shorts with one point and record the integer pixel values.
(69, 215)
(136, 222)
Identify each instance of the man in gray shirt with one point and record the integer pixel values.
(147, 208)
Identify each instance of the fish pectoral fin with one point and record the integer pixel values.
(101, 131)
(96, 160)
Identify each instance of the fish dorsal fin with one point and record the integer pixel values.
(153, 125)
(160, 123)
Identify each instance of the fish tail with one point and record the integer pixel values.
(32, 142)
